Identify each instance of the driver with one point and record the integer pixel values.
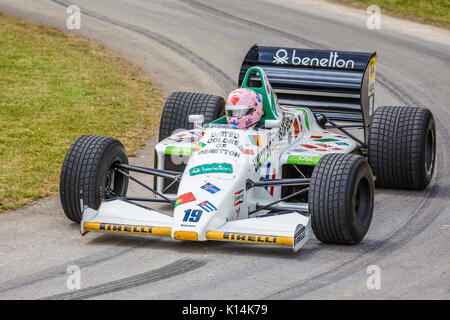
(243, 108)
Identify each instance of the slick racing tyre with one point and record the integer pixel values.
(341, 198)
(402, 147)
(88, 170)
(180, 105)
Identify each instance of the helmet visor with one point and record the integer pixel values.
(238, 111)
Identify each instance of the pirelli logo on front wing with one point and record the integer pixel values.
(100, 226)
(256, 238)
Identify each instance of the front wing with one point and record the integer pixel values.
(288, 228)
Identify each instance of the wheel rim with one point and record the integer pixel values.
(361, 201)
(113, 183)
(109, 184)
(430, 152)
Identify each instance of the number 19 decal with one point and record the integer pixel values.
(192, 215)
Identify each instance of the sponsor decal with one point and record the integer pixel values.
(341, 137)
(183, 138)
(265, 153)
(299, 235)
(249, 237)
(199, 146)
(342, 143)
(238, 197)
(246, 151)
(255, 140)
(372, 69)
(255, 238)
(210, 188)
(316, 137)
(124, 228)
(211, 168)
(113, 227)
(207, 206)
(198, 134)
(262, 156)
(238, 211)
(172, 150)
(337, 149)
(185, 198)
(221, 152)
(192, 139)
(192, 215)
(177, 139)
(222, 138)
(303, 160)
(282, 56)
(286, 124)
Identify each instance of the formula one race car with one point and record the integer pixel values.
(299, 168)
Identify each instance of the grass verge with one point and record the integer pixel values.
(434, 12)
(54, 87)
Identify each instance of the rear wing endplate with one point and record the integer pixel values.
(339, 84)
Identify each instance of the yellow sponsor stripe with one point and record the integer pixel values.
(185, 235)
(250, 237)
(127, 228)
(372, 69)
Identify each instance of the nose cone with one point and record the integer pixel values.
(202, 204)
(217, 169)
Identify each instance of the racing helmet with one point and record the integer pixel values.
(243, 108)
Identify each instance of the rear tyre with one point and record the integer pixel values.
(341, 197)
(180, 105)
(402, 147)
(88, 168)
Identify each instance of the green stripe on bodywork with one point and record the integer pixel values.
(304, 160)
(326, 140)
(179, 151)
(305, 113)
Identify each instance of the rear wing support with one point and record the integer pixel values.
(339, 84)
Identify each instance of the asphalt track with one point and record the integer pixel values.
(198, 45)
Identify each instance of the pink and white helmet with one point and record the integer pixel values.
(243, 108)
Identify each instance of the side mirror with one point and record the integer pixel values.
(197, 120)
(321, 119)
(272, 124)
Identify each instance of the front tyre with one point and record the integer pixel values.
(88, 169)
(341, 198)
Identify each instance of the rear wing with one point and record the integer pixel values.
(339, 84)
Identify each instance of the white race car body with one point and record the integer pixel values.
(273, 183)
(217, 198)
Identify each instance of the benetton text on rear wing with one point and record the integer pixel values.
(339, 84)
